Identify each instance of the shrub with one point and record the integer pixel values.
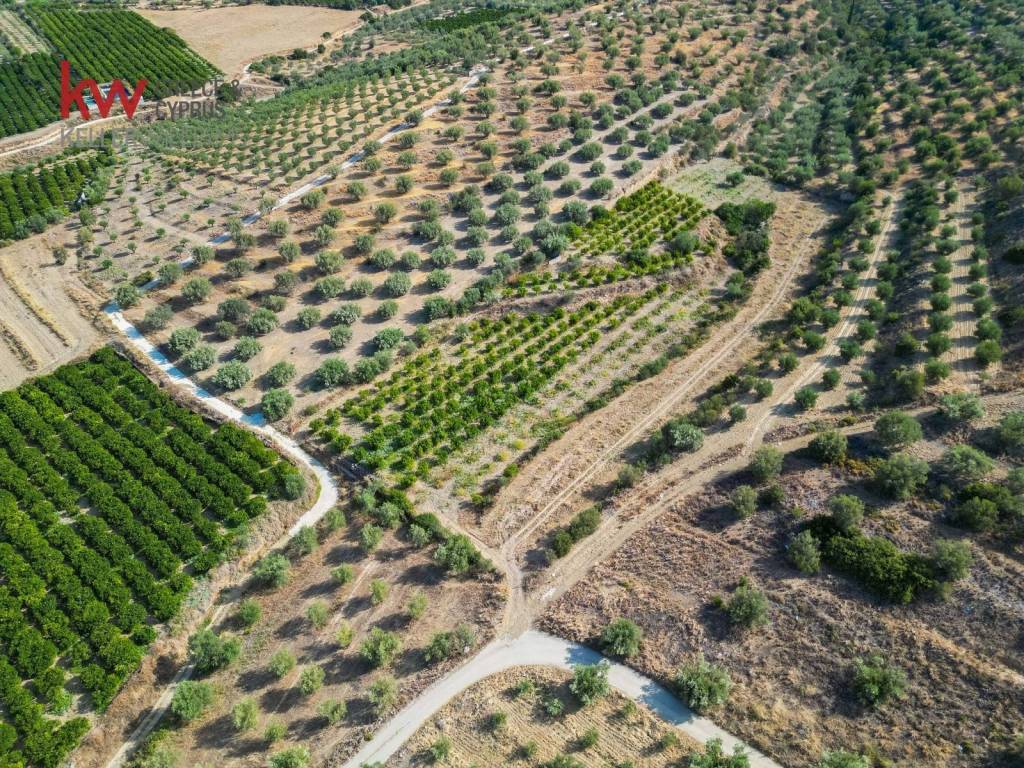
(383, 694)
(743, 501)
(360, 287)
(977, 514)
(276, 404)
(896, 429)
(875, 681)
(196, 290)
(344, 635)
(261, 322)
(1011, 431)
(199, 358)
(191, 699)
(244, 715)
(681, 435)
(748, 606)
(157, 318)
(804, 552)
(388, 338)
(293, 757)
(936, 370)
(843, 760)
(438, 279)
(829, 447)
(714, 756)
(766, 464)
(249, 612)
(951, 559)
(317, 615)
(309, 317)
(209, 652)
(233, 310)
(874, 561)
(311, 680)
(622, 638)
(333, 711)
(901, 476)
(340, 336)
(589, 682)
(247, 348)
(397, 284)
(703, 685)
(379, 590)
(329, 262)
(447, 645)
(281, 663)
(370, 537)
(182, 340)
(232, 375)
(963, 464)
(274, 732)
(380, 648)
(272, 571)
(988, 352)
(332, 373)
(127, 295)
(961, 407)
(847, 512)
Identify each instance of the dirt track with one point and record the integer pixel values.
(590, 448)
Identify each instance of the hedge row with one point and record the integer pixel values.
(165, 496)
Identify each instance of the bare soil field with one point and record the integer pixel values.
(45, 311)
(792, 694)
(230, 37)
(627, 734)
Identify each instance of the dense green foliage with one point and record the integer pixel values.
(35, 196)
(103, 45)
(113, 44)
(80, 588)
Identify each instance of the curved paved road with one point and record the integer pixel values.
(533, 648)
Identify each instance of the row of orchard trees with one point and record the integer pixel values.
(117, 44)
(31, 198)
(81, 589)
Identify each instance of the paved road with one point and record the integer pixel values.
(533, 648)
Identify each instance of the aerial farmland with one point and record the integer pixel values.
(561, 385)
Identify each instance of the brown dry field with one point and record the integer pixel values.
(230, 37)
(213, 740)
(628, 735)
(46, 311)
(791, 696)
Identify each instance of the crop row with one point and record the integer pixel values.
(256, 136)
(107, 488)
(531, 283)
(31, 198)
(102, 45)
(29, 93)
(419, 419)
(653, 213)
(116, 44)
